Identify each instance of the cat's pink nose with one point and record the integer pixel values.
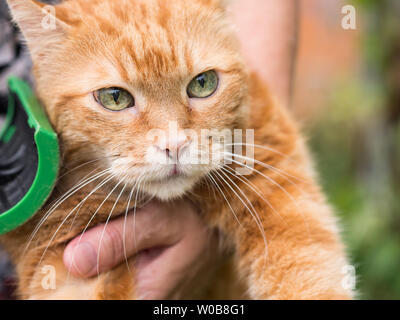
(173, 148)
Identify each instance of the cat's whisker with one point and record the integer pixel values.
(267, 166)
(125, 220)
(124, 228)
(56, 205)
(254, 215)
(254, 188)
(77, 213)
(295, 202)
(281, 173)
(224, 196)
(81, 183)
(243, 194)
(81, 166)
(134, 213)
(89, 222)
(106, 223)
(77, 185)
(75, 217)
(69, 214)
(208, 184)
(261, 147)
(266, 177)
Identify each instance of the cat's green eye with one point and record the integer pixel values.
(115, 99)
(203, 85)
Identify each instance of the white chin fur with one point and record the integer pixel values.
(168, 189)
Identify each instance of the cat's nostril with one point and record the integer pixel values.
(173, 150)
(172, 153)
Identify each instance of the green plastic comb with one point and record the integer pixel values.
(29, 157)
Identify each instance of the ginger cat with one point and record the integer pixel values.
(108, 72)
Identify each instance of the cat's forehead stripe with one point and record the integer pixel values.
(150, 31)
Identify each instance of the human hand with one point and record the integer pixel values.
(174, 250)
(272, 52)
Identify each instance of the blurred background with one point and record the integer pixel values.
(347, 95)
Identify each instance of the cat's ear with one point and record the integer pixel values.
(39, 24)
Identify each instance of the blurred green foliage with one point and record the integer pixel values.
(355, 142)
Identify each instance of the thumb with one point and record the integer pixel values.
(107, 245)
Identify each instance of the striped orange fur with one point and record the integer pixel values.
(153, 48)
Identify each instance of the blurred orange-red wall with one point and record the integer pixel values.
(327, 53)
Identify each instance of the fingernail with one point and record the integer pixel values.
(85, 258)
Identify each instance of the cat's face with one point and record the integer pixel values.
(133, 82)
